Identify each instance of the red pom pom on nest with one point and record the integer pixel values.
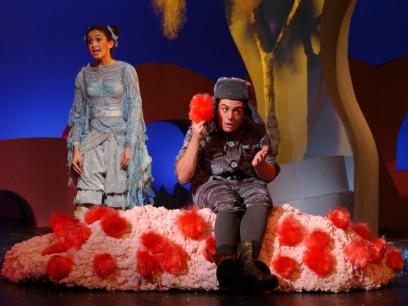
(394, 259)
(317, 240)
(358, 252)
(104, 264)
(115, 226)
(173, 259)
(97, 213)
(201, 108)
(58, 246)
(171, 256)
(210, 249)
(60, 222)
(59, 267)
(70, 230)
(290, 231)
(319, 261)
(153, 242)
(147, 265)
(378, 248)
(77, 235)
(340, 217)
(191, 224)
(362, 229)
(284, 265)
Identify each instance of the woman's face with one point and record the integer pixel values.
(98, 44)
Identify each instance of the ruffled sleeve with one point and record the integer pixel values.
(139, 169)
(78, 120)
(78, 111)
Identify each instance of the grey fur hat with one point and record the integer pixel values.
(231, 88)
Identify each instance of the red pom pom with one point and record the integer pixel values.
(70, 229)
(173, 259)
(76, 235)
(378, 248)
(153, 242)
(147, 265)
(340, 217)
(394, 259)
(60, 222)
(171, 256)
(209, 249)
(358, 252)
(362, 229)
(97, 213)
(58, 246)
(317, 240)
(59, 267)
(319, 261)
(201, 108)
(290, 231)
(284, 265)
(191, 224)
(115, 226)
(104, 264)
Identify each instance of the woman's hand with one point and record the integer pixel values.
(124, 161)
(260, 156)
(77, 163)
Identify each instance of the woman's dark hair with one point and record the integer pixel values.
(105, 29)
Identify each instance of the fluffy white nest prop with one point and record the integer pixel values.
(24, 261)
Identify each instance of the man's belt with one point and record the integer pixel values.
(234, 176)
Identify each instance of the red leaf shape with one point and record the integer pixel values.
(358, 252)
(97, 213)
(58, 246)
(76, 235)
(378, 248)
(284, 265)
(154, 242)
(60, 222)
(319, 261)
(191, 224)
(394, 259)
(173, 259)
(59, 267)
(171, 256)
(317, 240)
(362, 229)
(104, 264)
(340, 217)
(201, 108)
(115, 226)
(209, 249)
(290, 231)
(147, 265)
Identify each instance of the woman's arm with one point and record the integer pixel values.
(77, 121)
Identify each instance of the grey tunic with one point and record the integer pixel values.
(225, 179)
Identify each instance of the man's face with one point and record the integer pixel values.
(230, 114)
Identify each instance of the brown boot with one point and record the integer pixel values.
(255, 271)
(229, 271)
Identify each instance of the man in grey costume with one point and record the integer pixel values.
(229, 162)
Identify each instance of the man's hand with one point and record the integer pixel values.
(260, 156)
(198, 130)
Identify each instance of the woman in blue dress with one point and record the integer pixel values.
(106, 144)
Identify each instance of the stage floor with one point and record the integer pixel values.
(40, 294)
